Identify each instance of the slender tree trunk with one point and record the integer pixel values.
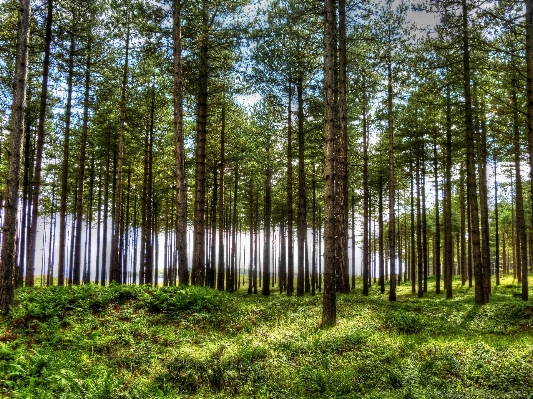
(424, 221)
(268, 213)
(221, 267)
(198, 266)
(381, 238)
(81, 172)
(181, 189)
(313, 262)
(496, 228)
(26, 204)
(412, 245)
(366, 199)
(302, 279)
(437, 220)
(529, 85)
(419, 250)
(9, 251)
(116, 274)
(464, 263)
(392, 192)
(481, 296)
(342, 161)
(233, 260)
(329, 310)
(520, 220)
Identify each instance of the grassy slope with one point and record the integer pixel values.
(137, 342)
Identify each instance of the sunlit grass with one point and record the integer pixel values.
(139, 342)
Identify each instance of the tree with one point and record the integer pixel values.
(9, 250)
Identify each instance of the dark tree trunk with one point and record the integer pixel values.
(481, 295)
(268, 213)
(437, 221)
(9, 251)
(342, 159)
(221, 266)
(329, 310)
(419, 250)
(290, 231)
(116, 257)
(392, 194)
(529, 86)
(381, 238)
(366, 199)
(198, 266)
(179, 146)
(412, 245)
(496, 228)
(302, 280)
(81, 172)
(233, 273)
(464, 263)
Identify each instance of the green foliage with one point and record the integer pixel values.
(171, 342)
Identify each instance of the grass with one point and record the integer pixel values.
(140, 342)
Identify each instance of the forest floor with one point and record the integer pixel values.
(140, 342)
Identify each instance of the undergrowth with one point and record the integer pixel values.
(191, 342)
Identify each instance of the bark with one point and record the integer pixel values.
(481, 296)
(496, 228)
(302, 279)
(392, 194)
(520, 220)
(268, 215)
(290, 231)
(329, 309)
(464, 263)
(221, 266)
(9, 229)
(116, 266)
(381, 238)
(81, 172)
(448, 261)
(366, 198)
(424, 221)
(412, 245)
(529, 86)
(179, 147)
(198, 266)
(342, 161)
(234, 232)
(437, 221)
(213, 256)
(419, 250)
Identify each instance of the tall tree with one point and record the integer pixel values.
(9, 251)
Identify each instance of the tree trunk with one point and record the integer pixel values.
(381, 238)
(234, 232)
(81, 172)
(481, 296)
(329, 309)
(529, 85)
(290, 231)
(392, 193)
(496, 228)
(366, 199)
(198, 266)
(342, 160)
(302, 280)
(179, 146)
(268, 213)
(464, 263)
(116, 274)
(9, 251)
(437, 220)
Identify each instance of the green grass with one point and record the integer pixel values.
(140, 342)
